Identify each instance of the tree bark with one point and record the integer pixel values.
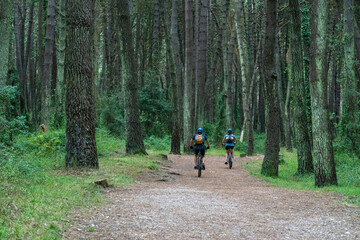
(134, 138)
(175, 75)
(188, 126)
(271, 159)
(324, 164)
(202, 63)
(48, 62)
(350, 120)
(5, 28)
(285, 120)
(79, 77)
(303, 144)
(245, 76)
(19, 30)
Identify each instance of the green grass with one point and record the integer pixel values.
(37, 191)
(348, 173)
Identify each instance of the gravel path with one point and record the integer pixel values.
(222, 204)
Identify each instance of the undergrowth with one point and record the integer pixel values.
(347, 169)
(37, 192)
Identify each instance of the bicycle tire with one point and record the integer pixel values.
(199, 164)
(230, 160)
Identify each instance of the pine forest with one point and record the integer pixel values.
(111, 92)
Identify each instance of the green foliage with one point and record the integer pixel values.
(45, 143)
(111, 111)
(220, 128)
(347, 169)
(155, 111)
(10, 124)
(37, 192)
(158, 143)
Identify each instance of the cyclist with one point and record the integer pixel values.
(229, 141)
(199, 139)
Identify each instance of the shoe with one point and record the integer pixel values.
(196, 167)
(203, 166)
(226, 163)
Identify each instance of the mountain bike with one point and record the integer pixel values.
(230, 160)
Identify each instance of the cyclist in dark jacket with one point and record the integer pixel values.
(199, 139)
(229, 141)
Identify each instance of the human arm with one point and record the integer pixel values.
(223, 141)
(207, 142)
(191, 142)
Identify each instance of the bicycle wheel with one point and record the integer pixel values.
(230, 160)
(199, 164)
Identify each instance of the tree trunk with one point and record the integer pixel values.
(228, 78)
(350, 120)
(188, 126)
(60, 53)
(302, 139)
(40, 59)
(246, 77)
(271, 159)
(48, 61)
(285, 120)
(134, 138)
(202, 63)
(324, 163)
(175, 65)
(19, 30)
(5, 27)
(79, 77)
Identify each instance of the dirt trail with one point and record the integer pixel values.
(222, 204)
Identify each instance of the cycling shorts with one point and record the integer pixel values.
(229, 147)
(198, 149)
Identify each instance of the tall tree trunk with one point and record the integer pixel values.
(302, 138)
(324, 163)
(188, 126)
(245, 76)
(28, 54)
(5, 28)
(79, 77)
(60, 53)
(229, 83)
(271, 159)
(175, 85)
(19, 30)
(202, 63)
(285, 120)
(40, 59)
(350, 120)
(134, 138)
(48, 61)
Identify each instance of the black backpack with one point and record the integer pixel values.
(229, 138)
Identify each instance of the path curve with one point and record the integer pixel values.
(222, 204)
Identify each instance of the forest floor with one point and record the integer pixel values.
(223, 204)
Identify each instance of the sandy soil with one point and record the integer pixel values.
(222, 204)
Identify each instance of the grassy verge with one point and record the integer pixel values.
(348, 173)
(37, 191)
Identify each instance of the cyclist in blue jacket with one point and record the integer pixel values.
(229, 141)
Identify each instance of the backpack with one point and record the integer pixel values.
(229, 138)
(199, 139)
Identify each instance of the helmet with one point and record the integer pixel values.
(199, 130)
(229, 131)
